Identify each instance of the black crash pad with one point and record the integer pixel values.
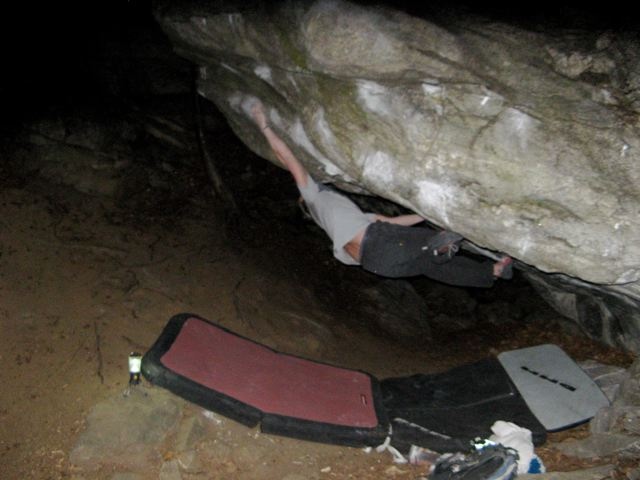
(292, 396)
(446, 411)
(253, 384)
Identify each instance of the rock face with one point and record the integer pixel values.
(523, 142)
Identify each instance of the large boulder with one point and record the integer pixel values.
(525, 142)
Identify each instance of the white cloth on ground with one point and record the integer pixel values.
(512, 436)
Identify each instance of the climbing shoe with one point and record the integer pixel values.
(506, 268)
(444, 246)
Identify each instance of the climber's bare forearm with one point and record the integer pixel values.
(405, 220)
(286, 157)
(281, 150)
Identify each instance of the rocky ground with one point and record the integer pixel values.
(108, 227)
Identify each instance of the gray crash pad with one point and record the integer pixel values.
(559, 393)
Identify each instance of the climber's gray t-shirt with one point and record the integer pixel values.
(337, 215)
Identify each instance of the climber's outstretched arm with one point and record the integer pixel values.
(406, 220)
(281, 150)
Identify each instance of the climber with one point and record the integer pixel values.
(388, 246)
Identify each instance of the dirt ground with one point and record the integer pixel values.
(86, 279)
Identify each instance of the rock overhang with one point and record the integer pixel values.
(524, 142)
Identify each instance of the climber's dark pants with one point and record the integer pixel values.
(397, 251)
